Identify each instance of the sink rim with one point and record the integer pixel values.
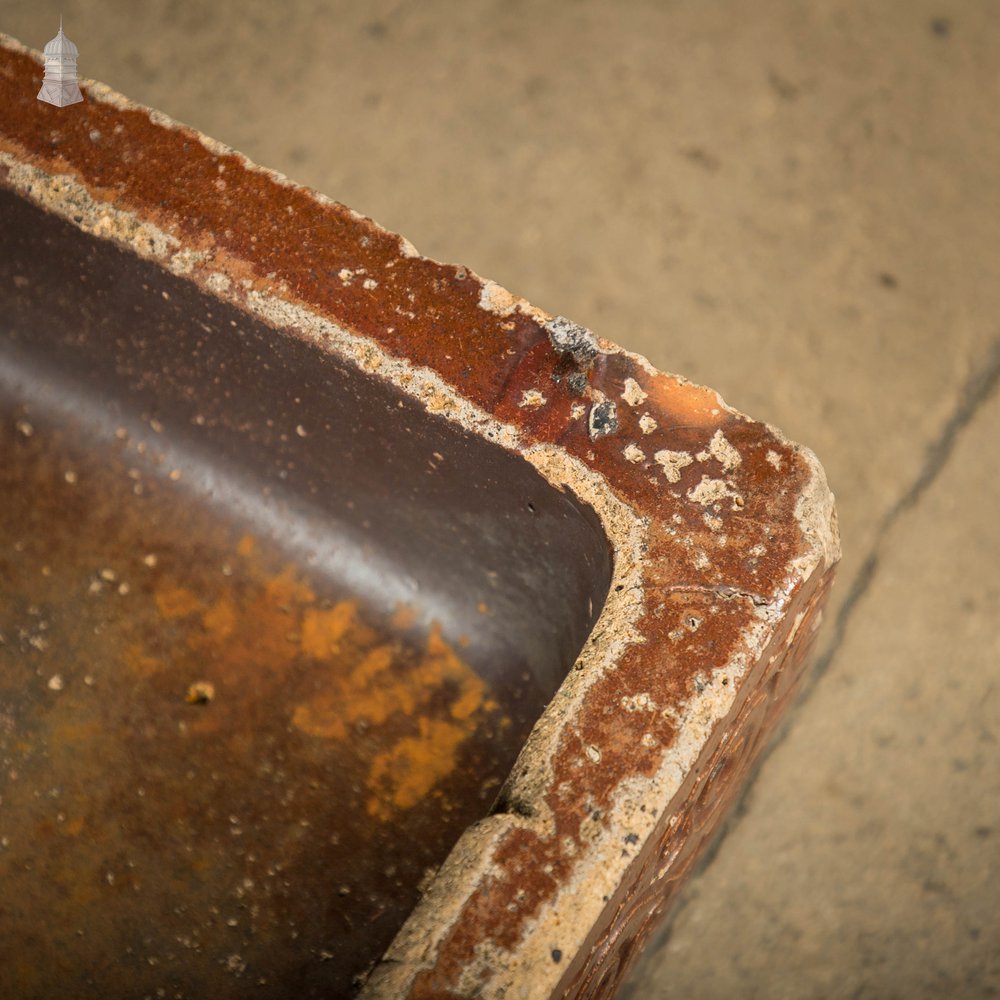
(452, 937)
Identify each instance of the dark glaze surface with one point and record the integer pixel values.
(192, 502)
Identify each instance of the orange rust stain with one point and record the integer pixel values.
(174, 601)
(287, 589)
(419, 705)
(256, 637)
(320, 717)
(140, 662)
(373, 691)
(404, 617)
(381, 685)
(330, 713)
(378, 660)
(73, 827)
(404, 774)
(323, 631)
(221, 618)
(470, 698)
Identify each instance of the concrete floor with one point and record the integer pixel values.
(796, 203)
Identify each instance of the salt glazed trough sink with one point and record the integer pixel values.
(362, 627)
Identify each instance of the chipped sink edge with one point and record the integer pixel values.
(530, 970)
(816, 513)
(104, 94)
(579, 902)
(815, 509)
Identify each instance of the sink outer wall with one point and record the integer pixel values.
(700, 642)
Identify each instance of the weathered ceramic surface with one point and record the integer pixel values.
(723, 533)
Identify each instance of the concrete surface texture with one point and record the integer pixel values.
(796, 204)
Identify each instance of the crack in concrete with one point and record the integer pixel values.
(977, 391)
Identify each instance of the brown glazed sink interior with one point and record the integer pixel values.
(273, 634)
